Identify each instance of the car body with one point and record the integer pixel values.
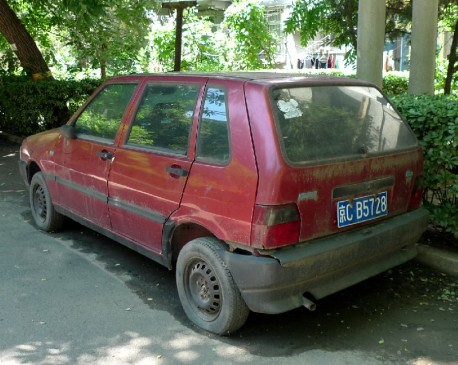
(266, 191)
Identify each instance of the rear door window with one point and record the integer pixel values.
(164, 118)
(332, 122)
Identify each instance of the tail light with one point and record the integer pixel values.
(275, 225)
(417, 193)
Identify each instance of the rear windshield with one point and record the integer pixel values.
(331, 122)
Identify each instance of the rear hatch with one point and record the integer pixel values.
(349, 160)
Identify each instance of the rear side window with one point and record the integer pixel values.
(164, 118)
(213, 137)
(102, 117)
(331, 122)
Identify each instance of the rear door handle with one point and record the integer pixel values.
(105, 155)
(176, 171)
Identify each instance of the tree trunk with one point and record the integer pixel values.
(452, 60)
(103, 69)
(22, 43)
(103, 61)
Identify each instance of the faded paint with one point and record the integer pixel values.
(310, 195)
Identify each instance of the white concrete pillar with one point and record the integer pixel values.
(371, 40)
(423, 46)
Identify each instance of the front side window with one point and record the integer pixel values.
(102, 117)
(164, 118)
(213, 139)
(332, 122)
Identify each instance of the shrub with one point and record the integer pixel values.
(27, 106)
(395, 84)
(434, 120)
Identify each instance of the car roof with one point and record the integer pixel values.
(263, 77)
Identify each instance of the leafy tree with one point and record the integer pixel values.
(206, 45)
(21, 43)
(104, 33)
(337, 18)
(242, 42)
(162, 41)
(449, 12)
(113, 38)
(254, 45)
(204, 48)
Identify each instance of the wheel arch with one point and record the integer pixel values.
(32, 169)
(179, 234)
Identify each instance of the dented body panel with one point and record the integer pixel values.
(324, 266)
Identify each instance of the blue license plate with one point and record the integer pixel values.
(361, 209)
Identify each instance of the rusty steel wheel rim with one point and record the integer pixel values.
(40, 206)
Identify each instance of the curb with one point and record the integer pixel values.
(439, 259)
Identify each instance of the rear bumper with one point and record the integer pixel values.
(321, 267)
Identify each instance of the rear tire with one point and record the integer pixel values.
(44, 214)
(207, 291)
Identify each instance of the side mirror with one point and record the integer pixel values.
(68, 131)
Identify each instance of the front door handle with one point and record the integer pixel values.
(176, 171)
(105, 155)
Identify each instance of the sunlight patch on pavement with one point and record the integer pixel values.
(35, 353)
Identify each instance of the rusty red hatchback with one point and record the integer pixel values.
(265, 191)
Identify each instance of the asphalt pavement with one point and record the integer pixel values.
(75, 297)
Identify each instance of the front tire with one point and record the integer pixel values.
(207, 291)
(43, 211)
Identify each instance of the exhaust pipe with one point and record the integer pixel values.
(307, 303)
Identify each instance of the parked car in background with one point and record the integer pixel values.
(265, 191)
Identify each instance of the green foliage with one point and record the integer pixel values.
(434, 119)
(395, 84)
(254, 45)
(306, 18)
(398, 84)
(398, 18)
(163, 42)
(203, 49)
(336, 18)
(441, 74)
(27, 107)
(79, 35)
(113, 38)
(244, 42)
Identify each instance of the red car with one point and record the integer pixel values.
(265, 191)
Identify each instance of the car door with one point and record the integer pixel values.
(83, 162)
(150, 171)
